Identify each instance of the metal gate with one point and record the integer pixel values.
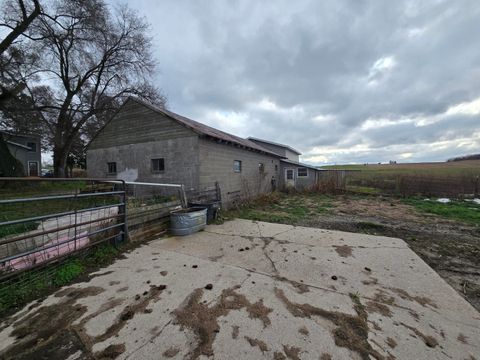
(45, 220)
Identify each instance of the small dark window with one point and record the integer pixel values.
(289, 174)
(276, 167)
(112, 168)
(158, 165)
(32, 146)
(302, 172)
(237, 166)
(261, 167)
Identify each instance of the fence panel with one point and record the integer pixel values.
(46, 220)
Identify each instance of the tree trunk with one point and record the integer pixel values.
(59, 162)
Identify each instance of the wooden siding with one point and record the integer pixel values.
(135, 123)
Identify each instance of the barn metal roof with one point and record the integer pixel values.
(276, 144)
(208, 131)
(299, 164)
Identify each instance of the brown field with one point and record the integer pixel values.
(449, 179)
(454, 168)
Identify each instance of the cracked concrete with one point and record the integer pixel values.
(404, 309)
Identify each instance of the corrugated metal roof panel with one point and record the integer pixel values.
(206, 130)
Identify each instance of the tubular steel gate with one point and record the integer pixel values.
(45, 220)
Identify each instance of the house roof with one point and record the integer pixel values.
(300, 164)
(17, 144)
(25, 135)
(206, 130)
(276, 144)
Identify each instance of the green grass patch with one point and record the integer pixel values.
(283, 208)
(68, 272)
(10, 190)
(363, 189)
(40, 282)
(465, 211)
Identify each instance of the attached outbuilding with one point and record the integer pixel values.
(293, 174)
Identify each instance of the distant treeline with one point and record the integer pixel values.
(466, 157)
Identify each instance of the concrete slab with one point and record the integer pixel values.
(278, 292)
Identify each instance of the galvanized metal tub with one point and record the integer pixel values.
(188, 221)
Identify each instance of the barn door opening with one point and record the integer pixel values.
(33, 168)
(289, 178)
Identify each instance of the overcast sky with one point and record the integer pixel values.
(342, 81)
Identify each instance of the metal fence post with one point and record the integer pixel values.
(183, 196)
(123, 209)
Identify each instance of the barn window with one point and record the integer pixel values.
(302, 172)
(237, 166)
(111, 168)
(261, 167)
(158, 165)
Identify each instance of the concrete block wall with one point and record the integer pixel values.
(217, 165)
(134, 161)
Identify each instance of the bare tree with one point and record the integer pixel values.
(18, 16)
(89, 60)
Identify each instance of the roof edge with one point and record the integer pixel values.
(275, 143)
(300, 164)
(183, 120)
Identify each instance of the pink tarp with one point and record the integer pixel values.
(42, 254)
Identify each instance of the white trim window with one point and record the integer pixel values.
(302, 172)
(237, 166)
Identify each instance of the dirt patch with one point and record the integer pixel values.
(235, 331)
(299, 287)
(371, 281)
(391, 342)
(430, 341)
(350, 332)
(164, 273)
(303, 330)
(292, 352)
(325, 356)
(46, 333)
(343, 250)
(171, 352)
(422, 300)
(279, 356)
(382, 309)
(462, 338)
(203, 320)
(129, 312)
(259, 343)
(111, 352)
(383, 297)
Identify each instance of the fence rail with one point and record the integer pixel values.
(414, 184)
(46, 220)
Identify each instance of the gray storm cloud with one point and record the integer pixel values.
(342, 81)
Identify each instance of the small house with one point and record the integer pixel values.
(26, 148)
